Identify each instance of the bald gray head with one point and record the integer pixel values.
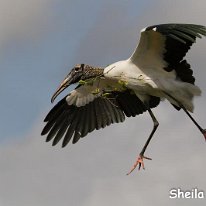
(79, 72)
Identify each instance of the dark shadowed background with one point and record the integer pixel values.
(40, 41)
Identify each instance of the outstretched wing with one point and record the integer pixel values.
(72, 121)
(164, 46)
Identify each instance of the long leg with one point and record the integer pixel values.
(141, 155)
(203, 131)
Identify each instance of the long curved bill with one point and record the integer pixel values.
(61, 88)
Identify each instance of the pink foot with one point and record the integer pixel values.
(139, 162)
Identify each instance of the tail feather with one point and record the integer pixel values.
(182, 88)
(184, 93)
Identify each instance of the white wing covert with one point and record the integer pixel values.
(165, 45)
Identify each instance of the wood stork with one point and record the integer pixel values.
(155, 71)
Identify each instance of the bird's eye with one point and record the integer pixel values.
(76, 69)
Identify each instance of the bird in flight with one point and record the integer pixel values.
(155, 71)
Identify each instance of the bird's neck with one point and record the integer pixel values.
(92, 72)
